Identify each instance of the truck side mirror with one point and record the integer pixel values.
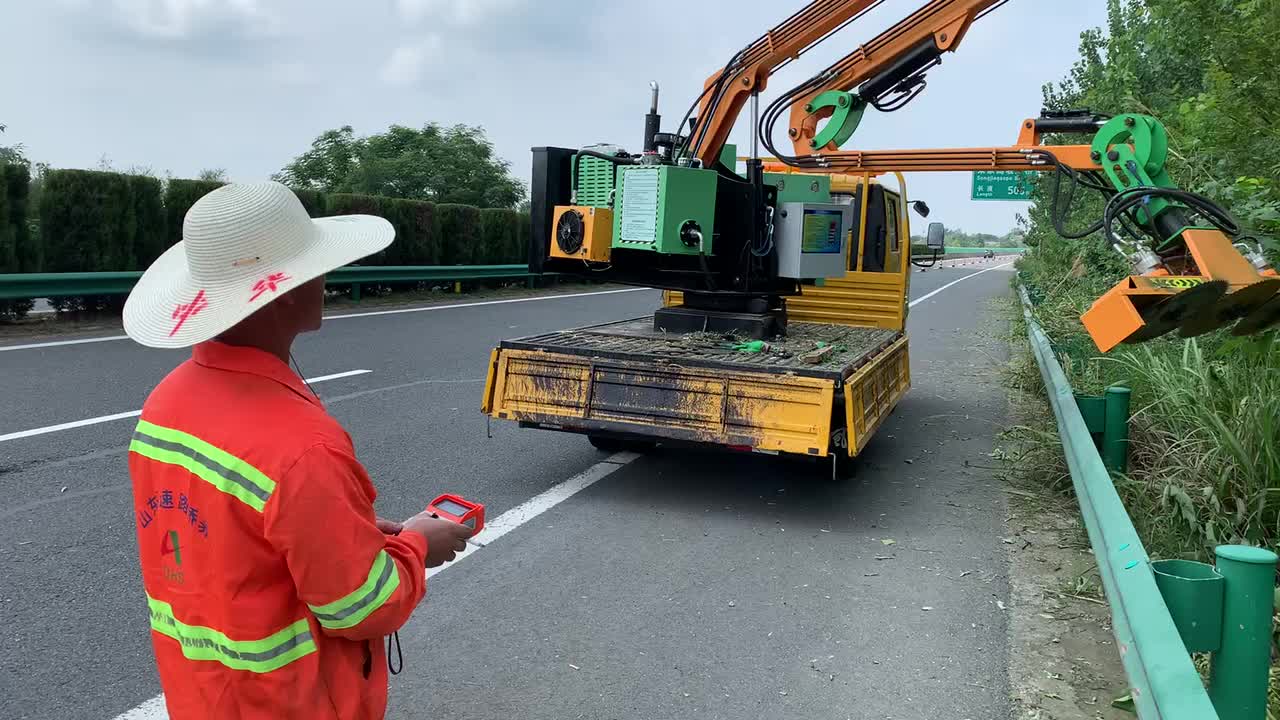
(921, 208)
(937, 239)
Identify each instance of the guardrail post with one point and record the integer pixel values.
(1239, 671)
(1115, 430)
(1193, 593)
(532, 282)
(355, 292)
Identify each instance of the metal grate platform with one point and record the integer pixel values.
(637, 340)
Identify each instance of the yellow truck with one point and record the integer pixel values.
(821, 391)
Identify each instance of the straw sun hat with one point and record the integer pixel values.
(243, 245)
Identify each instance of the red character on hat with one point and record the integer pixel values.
(269, 283)
(187, 310)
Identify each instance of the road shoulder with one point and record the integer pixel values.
(1063, 663)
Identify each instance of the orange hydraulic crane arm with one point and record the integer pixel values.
(942, 22)
(748, 72)
(889, 64)
(1015, 157)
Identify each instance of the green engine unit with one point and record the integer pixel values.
(595, 181)
(655, 202)
(800, 188)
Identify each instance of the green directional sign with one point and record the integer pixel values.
(1001, 185)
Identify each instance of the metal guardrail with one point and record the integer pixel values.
(1162, 610)
(52, 285)
(996, 250)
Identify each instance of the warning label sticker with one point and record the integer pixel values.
(1176, 283)
(639, 222)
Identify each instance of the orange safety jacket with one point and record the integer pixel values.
(269, 585)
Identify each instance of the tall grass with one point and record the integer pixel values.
(1206, 444)
(1205, 434)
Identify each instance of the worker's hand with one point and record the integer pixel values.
(445, 538)
(389, 527)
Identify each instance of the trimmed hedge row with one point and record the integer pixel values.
(179, 196)
(17, 252)
(101, 221)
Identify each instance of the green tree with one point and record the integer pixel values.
(454, 165)
(11, 154)
(959, 238)
(1207, 70)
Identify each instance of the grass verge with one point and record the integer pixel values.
(1205, 432)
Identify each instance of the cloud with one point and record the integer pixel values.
(291, 73)
(188, 23)
(456, 12)
(177, 19)
(408, 62)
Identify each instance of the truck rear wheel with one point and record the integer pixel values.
(842, 467)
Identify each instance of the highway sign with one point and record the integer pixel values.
(1001, 185)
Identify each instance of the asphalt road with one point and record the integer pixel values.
(685, 583)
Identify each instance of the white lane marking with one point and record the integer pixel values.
(337, 376)
(372, 313)
(956, 282)
(154, 709)
(135, 413)
(59, 343)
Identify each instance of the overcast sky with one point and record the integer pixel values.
(182, 85)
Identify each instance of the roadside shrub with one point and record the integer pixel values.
(313, 201)
(22, 213)
(460, 232)
(417, 237)
(18, 251)
(149, 240)
(500, 236)
(87, 221)
(15, 244)
(179, 196)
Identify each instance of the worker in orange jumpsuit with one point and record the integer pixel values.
(269, 580)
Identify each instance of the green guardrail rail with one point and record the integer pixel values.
(1162, 610)
(996, 250)
(52, 285)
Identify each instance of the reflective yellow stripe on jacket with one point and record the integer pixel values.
(215, 466)
(207, 644)
(350, 610)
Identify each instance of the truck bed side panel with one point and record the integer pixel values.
(775, 412)
(873, 391)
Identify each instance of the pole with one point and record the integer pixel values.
(1238, 672)
(1115, 430)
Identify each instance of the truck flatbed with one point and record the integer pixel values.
(625, 379)
(635, 340)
